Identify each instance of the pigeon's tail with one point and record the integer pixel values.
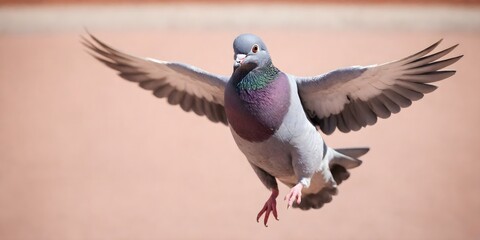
(348, 157)
(343, 159)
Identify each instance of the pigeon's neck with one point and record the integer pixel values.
(256, 111)
(258, 78)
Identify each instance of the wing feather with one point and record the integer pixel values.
(350, 120)
(378, 108)
(342, 126)
(355, 97)
(187, 86)
(187, 103)
(198, 107)
(427, 77)
(407, 93)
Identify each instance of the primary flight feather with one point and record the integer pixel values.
(274, 116)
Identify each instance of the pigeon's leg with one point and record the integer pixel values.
(269, 207)
(295, 195)
(307, 158)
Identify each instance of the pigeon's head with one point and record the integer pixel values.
(250, 52)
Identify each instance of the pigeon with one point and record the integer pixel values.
(276, 118)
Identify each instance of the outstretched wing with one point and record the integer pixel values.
(353, 97)
(192, 88)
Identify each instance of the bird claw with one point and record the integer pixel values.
(269, 207)
(295, 195)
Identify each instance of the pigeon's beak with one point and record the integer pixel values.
(239, 58)
(238, 61)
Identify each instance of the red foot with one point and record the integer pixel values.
(270, 207)
(295, 194)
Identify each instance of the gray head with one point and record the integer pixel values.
(250, 52)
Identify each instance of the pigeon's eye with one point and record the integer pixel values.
(255, 48)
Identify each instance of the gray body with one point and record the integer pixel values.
(292, 154)
(296, 153)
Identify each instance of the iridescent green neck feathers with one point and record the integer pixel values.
(258, 78)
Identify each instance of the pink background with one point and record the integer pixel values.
(86, 155)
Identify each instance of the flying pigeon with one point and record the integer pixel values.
(275, 117)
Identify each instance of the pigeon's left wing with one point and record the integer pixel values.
(192, 88)
(352, 98)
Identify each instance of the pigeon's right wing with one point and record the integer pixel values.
(192, 88)
(353, 97)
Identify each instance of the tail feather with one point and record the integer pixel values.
(342, 160)
(353, 152)
(348, 157)
(316, 200)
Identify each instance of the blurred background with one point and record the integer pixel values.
(86, 155)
